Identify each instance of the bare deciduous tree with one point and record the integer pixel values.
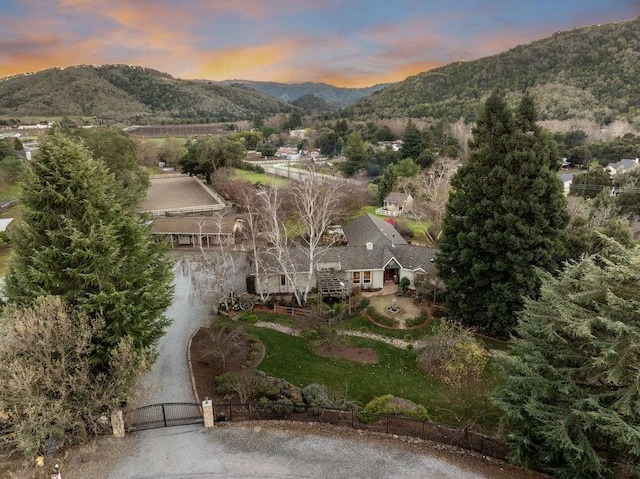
(215, 271)
(430, 190)
(295, 241)
(246, 384)
(227, 344)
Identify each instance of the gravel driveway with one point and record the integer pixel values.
(254, 450)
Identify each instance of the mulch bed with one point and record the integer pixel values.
(361, 355)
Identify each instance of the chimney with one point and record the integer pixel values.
(369, 246)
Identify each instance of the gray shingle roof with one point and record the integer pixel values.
(369, 229)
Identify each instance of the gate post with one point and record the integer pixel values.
(117, 423)
(207, 412)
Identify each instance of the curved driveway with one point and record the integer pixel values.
(244, 450)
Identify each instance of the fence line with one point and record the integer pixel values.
(382, 423)
(290, 311)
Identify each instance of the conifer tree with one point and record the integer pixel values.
(571, 395)
(413, 141)
(505, 216)
(78, 241)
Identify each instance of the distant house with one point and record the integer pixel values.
(396, 204)
(375, 254)
(622, 166)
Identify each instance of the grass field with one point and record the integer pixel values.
(262, 178)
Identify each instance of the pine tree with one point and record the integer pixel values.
(413, 141)
(77, 240)
(505, 216)
(571, 396)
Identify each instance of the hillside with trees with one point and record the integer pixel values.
(129, 93)
(335, 97)
(588, 72)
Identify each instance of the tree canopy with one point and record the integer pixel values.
(505, 216)
(77, 240)
(118, 151)
(207, 154)
(571, 397)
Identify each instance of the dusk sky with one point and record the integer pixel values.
(353, 43)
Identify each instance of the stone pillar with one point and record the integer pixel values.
(207, 412)
(117, 423)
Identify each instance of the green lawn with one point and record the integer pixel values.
(396, 372)
(10, 191)
(293, 359)
(262, 178)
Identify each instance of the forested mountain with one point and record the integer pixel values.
(590, 72)
(312, 103)
(336, 97)
(123, 92)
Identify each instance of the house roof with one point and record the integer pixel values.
(353, 258)
(189, 225)
(397, 198)
(369, 229)
(4, 222)
(623, 165)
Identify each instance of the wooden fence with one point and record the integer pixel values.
(290, 311)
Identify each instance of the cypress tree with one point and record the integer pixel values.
(571, 396)
(505, 216)
(78, 240)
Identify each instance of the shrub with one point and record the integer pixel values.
(281, 408)
(381, 318)
(248, 317)
(310, 334)
(418, 320)
(393, 406)
(316, 394)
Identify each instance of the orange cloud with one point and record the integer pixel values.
(238, 63)
(370, 79)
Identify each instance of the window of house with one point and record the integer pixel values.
(356, 277)
(366, 277)
(283, 280)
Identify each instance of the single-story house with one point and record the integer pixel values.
(396, 204)
(622, 166)
(375, 254)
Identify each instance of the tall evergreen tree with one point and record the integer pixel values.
(571, 395)
(413, 141)
(78, 241)
(505, 216)
(118, 151)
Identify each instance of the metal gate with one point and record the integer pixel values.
(163, 415)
